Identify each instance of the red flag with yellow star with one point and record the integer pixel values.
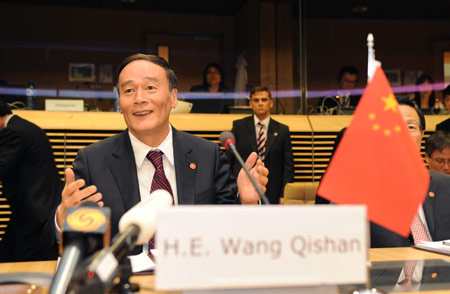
(377, 162)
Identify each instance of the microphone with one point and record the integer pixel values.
(229, 142)
(136, 226)
(86, 229)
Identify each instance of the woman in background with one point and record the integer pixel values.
(213, 82)
(424, 98)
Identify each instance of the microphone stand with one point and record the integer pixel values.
(263, 197)
(125, 272)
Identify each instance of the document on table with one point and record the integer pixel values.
(141, 262)
(442, 247)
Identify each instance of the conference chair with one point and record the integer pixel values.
(300, 193)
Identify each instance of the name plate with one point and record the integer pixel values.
(220, 247)
(64, 105)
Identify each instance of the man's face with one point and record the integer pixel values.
(145, 98)
(439, 160)
(348, 81)
(412, 119)
(447, 102)
(261, 103)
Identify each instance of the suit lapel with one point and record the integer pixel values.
(185, 168)
(429, 206)
(272, 134)
(123, 160)
(250, 125)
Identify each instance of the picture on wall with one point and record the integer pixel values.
(81, 72)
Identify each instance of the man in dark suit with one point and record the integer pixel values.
(445, 125)
(271, 137)
(118, 172)
(434, 212)
(31, 185)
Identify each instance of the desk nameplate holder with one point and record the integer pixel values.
(264, 249)
(64, 105)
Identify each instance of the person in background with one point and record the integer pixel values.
(31, 185)
(437, 152)
(445, 125)
(425, 98)
(433, 213)
(347, 80)
(271, 139)
(214, 83)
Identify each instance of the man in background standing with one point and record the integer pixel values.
(269, 138)
(31, 185)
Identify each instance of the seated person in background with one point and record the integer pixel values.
(271, 139)
(425, 98)
(213, 82)
(434, 213)
(121, 170)
(445, 125)
(347, 80)
(437, 152)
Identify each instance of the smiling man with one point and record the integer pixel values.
(120, 171)
(269, 138)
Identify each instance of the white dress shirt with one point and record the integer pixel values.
(145, 168)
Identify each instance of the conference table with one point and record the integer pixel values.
(146, 282)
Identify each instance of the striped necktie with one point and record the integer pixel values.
(419, 234)
(261, 142)
(159, 181)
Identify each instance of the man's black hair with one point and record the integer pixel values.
(439, 140)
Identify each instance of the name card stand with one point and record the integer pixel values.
(276, 248)
(64, 105)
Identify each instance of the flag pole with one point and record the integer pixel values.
(372, 64)
(370, 57)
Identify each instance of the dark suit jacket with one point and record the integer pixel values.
(444, 126)
(110, 165)
(279, 159)
(436, 210)
(31, 185)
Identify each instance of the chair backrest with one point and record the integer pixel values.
(300, 193)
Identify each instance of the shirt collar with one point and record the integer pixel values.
(141, 149)
(7, 120)
(264, 121)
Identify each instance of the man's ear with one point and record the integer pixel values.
(174, 97)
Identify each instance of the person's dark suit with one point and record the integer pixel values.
(437, 214)
(329, 102)
(278, 158)
(443, 126)
(202, 175)
(31, 185)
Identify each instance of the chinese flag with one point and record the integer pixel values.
(377, 162)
